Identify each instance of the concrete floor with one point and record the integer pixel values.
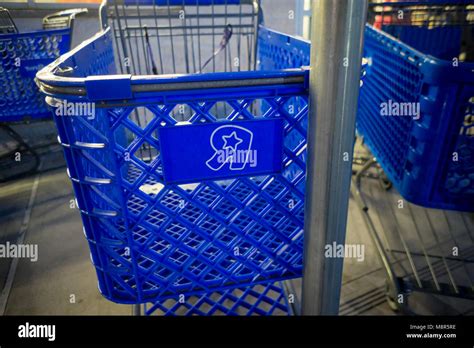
(64, 268)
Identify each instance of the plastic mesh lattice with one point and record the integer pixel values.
(262, 299)
(415, 113)
(388, 136)
(441, 42)
(155, 240)
(280, 51)
(23, 55)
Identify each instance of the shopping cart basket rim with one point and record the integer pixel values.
(53, 82)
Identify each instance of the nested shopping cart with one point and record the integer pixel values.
(427, 152)
(420, 57)
(190, 174)
(24, 54)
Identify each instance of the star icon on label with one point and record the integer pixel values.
(231, 141)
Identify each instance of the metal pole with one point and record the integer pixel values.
(336, 51)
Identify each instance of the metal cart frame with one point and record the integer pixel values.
(404, 275)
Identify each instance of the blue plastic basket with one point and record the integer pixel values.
(430, 158)
(23, 55)
(410, 151)
(263, 299)
(169, 219)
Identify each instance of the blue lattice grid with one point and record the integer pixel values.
(263, 299)
(20, 98)
(417, 154)
(153, 245)
(277, 51)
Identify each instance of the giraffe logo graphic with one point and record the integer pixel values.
(232, 147)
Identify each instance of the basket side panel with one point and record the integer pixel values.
(411, 111)
(392, 77)
(22, 56)
(261, 299)
(85, 132)
(215, 234)
(281, 51)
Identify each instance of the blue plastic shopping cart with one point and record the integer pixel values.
(24, 54)
(416, 106)
(416, 116)
(189, 173)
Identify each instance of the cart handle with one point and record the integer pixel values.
(62, 18)
(7, 24)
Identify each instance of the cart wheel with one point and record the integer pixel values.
(384, 182)
(137, 310)
(392, 302)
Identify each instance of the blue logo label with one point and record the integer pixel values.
(29, 67)
(192, 153)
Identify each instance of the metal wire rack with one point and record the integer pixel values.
(441, 28)
(169, 36)
(183, 37)
(422, 250)
(7, 25)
